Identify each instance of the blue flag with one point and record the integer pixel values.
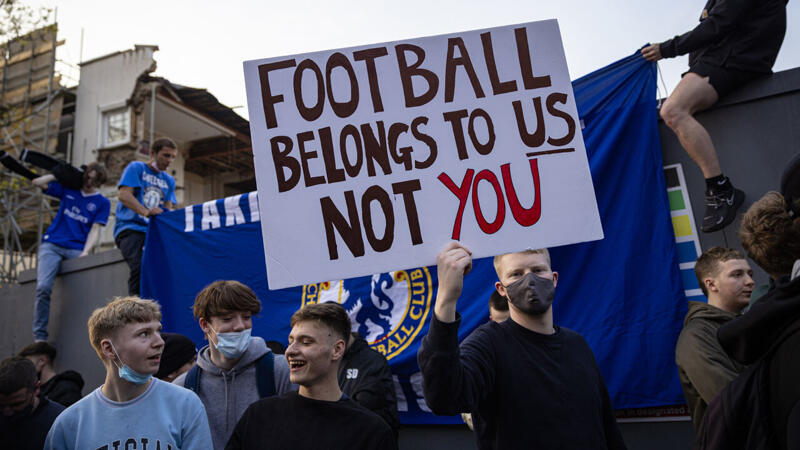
(623, 294)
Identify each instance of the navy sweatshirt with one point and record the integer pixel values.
(530, 390)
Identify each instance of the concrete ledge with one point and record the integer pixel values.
(778, 83)
(78, 264)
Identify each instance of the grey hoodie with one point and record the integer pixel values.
(227, 394)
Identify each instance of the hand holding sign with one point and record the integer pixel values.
(453, 262)
(368, 159)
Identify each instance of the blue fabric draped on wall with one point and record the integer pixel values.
(623, 294)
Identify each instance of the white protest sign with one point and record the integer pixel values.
(370, 159)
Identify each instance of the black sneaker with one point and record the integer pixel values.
(721, 208)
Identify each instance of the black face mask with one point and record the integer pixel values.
(531, 294)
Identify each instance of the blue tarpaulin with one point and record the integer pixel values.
(623, 293)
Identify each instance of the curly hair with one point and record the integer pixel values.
(770, 236)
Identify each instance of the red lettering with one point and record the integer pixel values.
(524, 216)
(461, 193)
(487, 227)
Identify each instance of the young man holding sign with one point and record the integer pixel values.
(533, 383)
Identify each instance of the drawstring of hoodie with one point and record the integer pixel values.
(225, 383)
(233, 399)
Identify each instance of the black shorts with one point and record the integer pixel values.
(723, 79)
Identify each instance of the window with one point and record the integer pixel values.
(116, 126)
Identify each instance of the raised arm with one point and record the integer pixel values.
(453, 262)
(44, 180)
(455, 378)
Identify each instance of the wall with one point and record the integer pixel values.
(82, 285)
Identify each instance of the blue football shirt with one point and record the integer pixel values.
(152, 188)
(76, 214)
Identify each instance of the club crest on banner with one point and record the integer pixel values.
(387, 310)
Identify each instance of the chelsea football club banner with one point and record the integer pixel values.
(623, 293)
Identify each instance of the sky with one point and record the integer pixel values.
(203, 43)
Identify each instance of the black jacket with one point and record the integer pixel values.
(365, 377)
(739, 34)
(64, 388)
(769, 336)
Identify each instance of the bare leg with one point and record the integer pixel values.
(693, 94)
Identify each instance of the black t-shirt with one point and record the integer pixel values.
(530, 390)
(291, 421)
(29, 432)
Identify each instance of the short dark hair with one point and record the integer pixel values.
(224, 296)
(329, 314)
(16, 373)
(498, 302)
(100, 169)
(707, 264)
(770, 235)
(39, 348)
(163, 142)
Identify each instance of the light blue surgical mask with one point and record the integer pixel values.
(128, 374)
(233, 344)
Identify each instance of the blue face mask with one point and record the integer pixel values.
(128, 374)
(234, 344)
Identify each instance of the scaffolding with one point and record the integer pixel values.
(31, 102)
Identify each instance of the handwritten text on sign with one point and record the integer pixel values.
(370, 159)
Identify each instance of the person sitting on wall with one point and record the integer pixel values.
(319, 415)
(131, 409)
(516, 374)
(704, 368)
(735, 42)
(26, 414)
(74, 232)
(145, 190)
(179, 356)
(64, 387)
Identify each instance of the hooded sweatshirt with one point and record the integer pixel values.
(703, 366)
(769, 334)
(227, 394)
(64, 388)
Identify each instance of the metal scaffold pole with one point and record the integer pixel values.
(30, 113)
